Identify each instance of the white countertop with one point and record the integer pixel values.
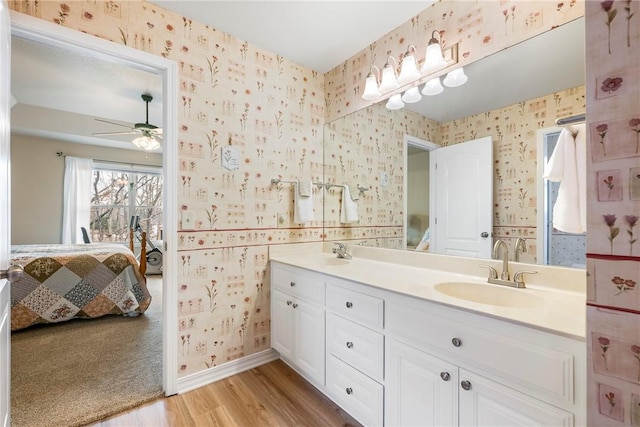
(558, 307)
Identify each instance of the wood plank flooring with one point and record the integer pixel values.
(270, 395)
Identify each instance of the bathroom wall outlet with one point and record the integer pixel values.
(187, 220)
(281, 220)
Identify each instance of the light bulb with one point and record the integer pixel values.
(432, 87)
(412, 95)
(395, 102)
(455, 78)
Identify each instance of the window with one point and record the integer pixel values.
(119, 192)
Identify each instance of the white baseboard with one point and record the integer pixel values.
(208, 376)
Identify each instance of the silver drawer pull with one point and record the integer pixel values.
(349, 304)
(292, 284)
(349, 390)
(457, 342)
(295, 305)
(466, 385)
(289, 302)
(446, 376)
(349, 344)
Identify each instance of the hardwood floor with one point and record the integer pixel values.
(270, 395)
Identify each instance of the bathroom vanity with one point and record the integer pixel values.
(409, 342)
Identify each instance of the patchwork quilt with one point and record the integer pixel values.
(63, 282)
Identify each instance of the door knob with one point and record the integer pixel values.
(13, 273)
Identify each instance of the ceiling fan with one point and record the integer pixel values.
(148, 133)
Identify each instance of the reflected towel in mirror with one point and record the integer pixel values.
(348, 208)
(303, 202)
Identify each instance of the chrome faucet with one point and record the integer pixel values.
(340, 249)
(505, 257)
(520, 246)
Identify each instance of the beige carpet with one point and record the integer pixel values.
(77, 372)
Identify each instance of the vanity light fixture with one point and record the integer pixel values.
(146, 142)
(432, 87)
(412, 95)
(371, 89)
(455, 78)
(409, 70)
(434, 60)
(389, 78)
(395, 102)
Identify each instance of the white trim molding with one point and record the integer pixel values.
(203, 378)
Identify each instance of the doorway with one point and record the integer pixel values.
(49, 34)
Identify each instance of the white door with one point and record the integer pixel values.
(461, 187)
(282, 324)
(309, 339)
(5, 212)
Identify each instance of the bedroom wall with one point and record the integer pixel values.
(37, 177)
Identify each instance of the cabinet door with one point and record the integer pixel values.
(421, 390)
(282, 324)
(486, 403)
(309, 339)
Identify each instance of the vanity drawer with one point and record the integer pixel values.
(355, 306)
(526, 359)
(298, 283)
(355, 392)
(356, 345)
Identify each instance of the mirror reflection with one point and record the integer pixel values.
(513, 97)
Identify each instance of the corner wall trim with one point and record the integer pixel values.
(208, 376)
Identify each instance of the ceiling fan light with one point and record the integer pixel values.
(147, 143)
(371, 90)
(455, 78)
(412, 95)
(432, 87)
(395, 102)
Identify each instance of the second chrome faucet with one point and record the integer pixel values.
(518, 278)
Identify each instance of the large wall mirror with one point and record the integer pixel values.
(513, 97)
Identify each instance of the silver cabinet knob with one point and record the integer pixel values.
(465, 385)
(292, 284)
(446, 376)
(349, 344)
(13, 273)
(349, 304)
(484, 234)
(289, 302)
(457, 342)
(349, 390)
(295, 305)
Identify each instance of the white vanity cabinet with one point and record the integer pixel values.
(397, 360)
(297, 320)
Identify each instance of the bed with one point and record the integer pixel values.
(63, 282)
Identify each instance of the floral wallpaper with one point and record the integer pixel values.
(613, 250)
(247, 116)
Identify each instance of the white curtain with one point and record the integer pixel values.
(77, 198)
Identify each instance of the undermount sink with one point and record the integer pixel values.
(489, 294)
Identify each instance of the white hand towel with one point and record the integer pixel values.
(305, 188)
(303, 205)
(349, 208)
(567, 165)
(355, 196)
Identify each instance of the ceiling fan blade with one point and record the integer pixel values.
(113, 133)
(113, 123)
